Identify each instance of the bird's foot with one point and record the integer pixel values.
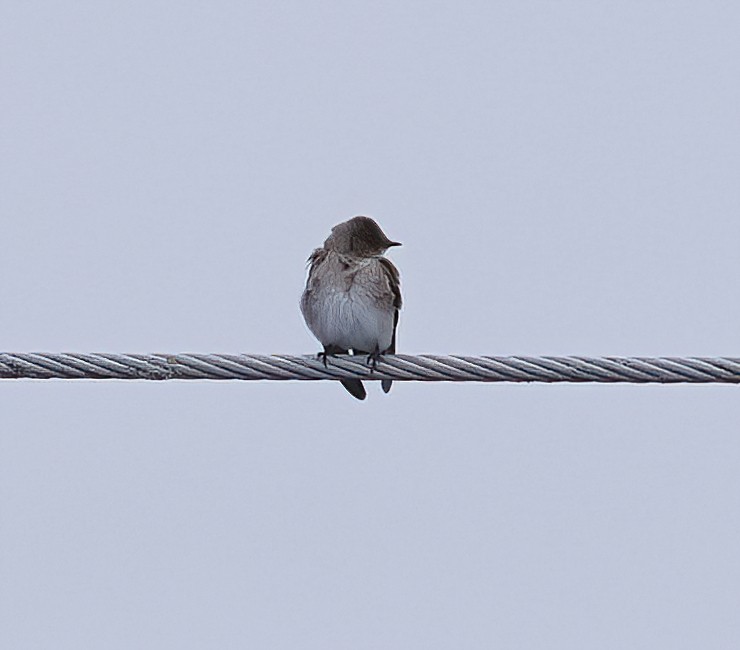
(330, 351)
(373, 358)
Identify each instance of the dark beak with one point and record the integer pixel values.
(394, 243)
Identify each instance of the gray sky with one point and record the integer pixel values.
(564, 177)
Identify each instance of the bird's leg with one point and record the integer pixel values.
(374, 357)
(330, 351)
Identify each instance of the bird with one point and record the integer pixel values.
(353, 296)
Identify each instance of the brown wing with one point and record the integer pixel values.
(314, 259)
(394, 282)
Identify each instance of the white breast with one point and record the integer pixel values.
(350, 318)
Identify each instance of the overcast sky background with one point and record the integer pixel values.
(564, 178)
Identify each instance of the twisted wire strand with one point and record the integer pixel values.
(399, 367)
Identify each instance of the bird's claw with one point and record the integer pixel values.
(373, 358)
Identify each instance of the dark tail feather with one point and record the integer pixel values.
(387, 383)
(355, 388)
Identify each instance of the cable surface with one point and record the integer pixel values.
(399, 367)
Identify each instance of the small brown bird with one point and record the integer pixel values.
(353, 295)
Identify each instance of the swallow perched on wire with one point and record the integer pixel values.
(353, 295)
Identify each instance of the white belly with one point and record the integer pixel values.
(352, 319)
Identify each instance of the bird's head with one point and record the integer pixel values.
(359, 236)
